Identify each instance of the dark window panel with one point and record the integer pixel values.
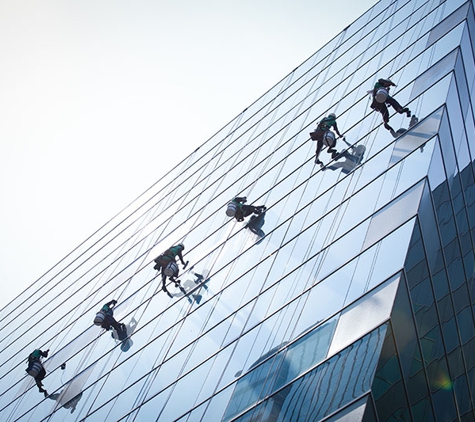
(440, 282)
(456, 363)
(422, 411)
(461, 298)
(466, 324)
(443, 397)
(443, 206)
(451, 338)
(445, 308)
(464, 399)
(432, 346)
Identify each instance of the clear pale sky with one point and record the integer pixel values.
(95, 96)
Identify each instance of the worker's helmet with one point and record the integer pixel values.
(332, 115)
(181, 246)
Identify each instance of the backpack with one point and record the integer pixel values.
(317, 135)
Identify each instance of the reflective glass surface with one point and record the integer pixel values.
(351, 295)
(353, 367)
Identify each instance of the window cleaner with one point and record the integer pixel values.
(324, 136)
(381, 99)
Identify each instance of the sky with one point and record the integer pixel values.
(99, 98)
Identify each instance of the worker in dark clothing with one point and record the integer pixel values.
(36, 368)
(105, 319)
(324, 136)
(166, 263)
(238, 209)
(381, 99)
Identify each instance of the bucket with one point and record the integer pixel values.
(99, 319)
(381, 95)
(34, 369)
(231, 210)
(171, 270)
(329, 138)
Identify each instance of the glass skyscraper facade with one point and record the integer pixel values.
(354, 297)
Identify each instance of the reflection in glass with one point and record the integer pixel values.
(370, 311)
(331, 385)
(394, 214)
